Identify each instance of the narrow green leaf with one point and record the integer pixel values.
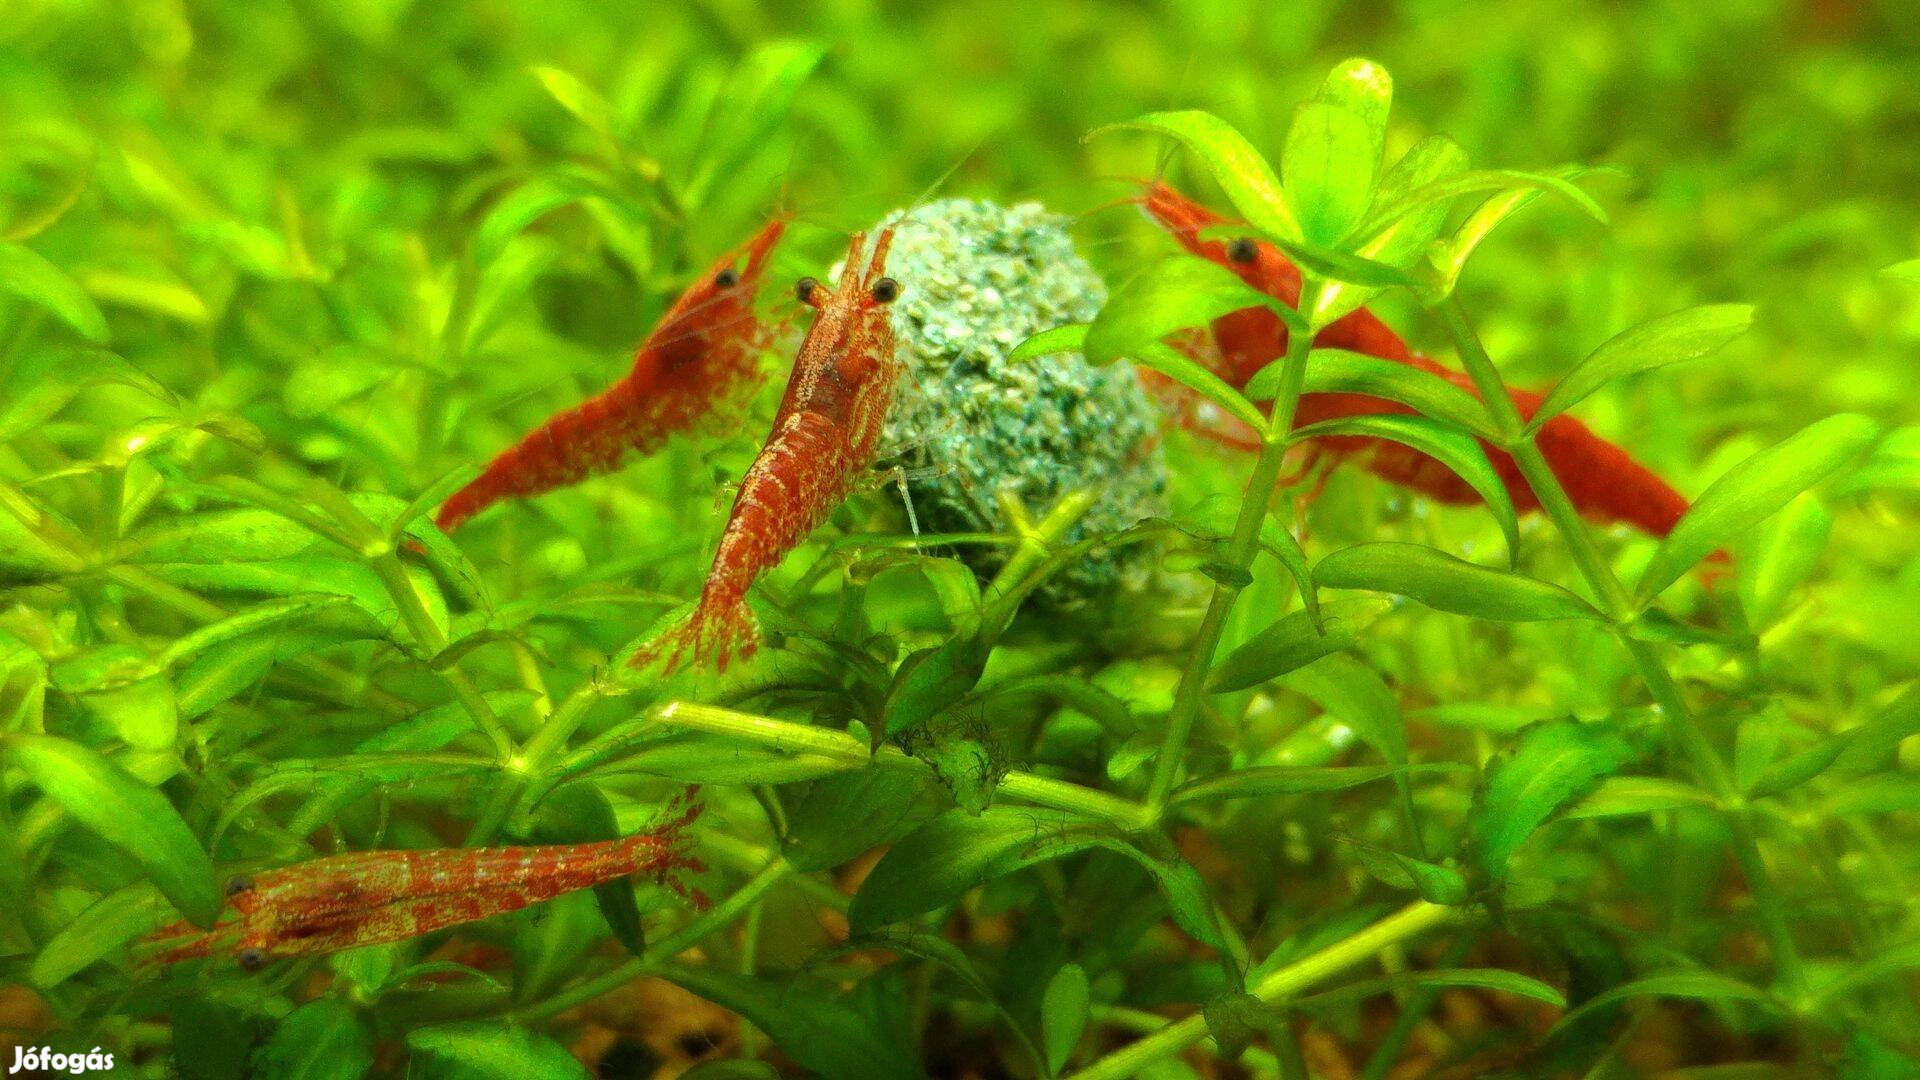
(940, 860)
(518, 209)
(751, 108)
(1356, 694)
(732, 1069)
(1887, 960)
(126, 813)
(24, 273)
(1362, 87)
(1475, 182)
(321, 1040)
(1626, 796)
(1329, 165)
(1756, 744)
(1508, 982)
(1458, 452)
(1175, 293)
(488, 1050)
(1236, 166)
(1552, 764)
(1670, 339)
(43, 382)
(932, 679)
(1691, 985)
(1063, 1014)
(1182, 369)
(1401, 242)
(1292, 641)
(247, 622)
(1797, 769)
(1432, 160)
(583, 101)
(1781, 556)
(822, 1032)
(841, 817)
(1337, 371)
(1752, 491)
(1432, 882)
(1449, 258)
(1445, 583)
(1264, 781)
(98, 932)
(1060, 339)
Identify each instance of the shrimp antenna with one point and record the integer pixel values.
(940, 181)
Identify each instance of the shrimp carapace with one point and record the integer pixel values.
(374, 897)
(1601, 479)
(824, 437)
(704, 352)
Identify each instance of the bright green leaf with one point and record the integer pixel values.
(1670, 339)
(1060, 339)
(1063, 1014)
(321, 1040)
(1329, 166)
(1236, 166)
(126, 812)
(1552, 764)
(24, 273)
(1445, 583)
(1458, 452)
(488, 1050)
(1753, 491)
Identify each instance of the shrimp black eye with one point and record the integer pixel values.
(804, 288)
(251, 959)
(727, 278)
(1243, 250)
(886, 290)
(238, 884)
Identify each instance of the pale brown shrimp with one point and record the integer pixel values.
(373, 897)
(704, 351)
(824, 437)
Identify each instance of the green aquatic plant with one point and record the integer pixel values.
(1374, 786)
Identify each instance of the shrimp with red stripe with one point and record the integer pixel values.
(825, 436)
(375, 897)
(704, 351)
(1601, 479)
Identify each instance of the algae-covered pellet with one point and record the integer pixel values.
(978, 279)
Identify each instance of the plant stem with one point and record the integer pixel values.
(427, 634)
(1242, 546)
(1682, 727)
(1403, 925)
(662, 950)
(840, 748)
